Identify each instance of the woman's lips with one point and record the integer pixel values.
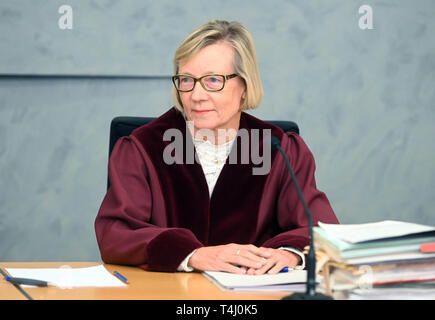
(201, 111)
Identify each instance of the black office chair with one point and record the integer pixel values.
(123, 126)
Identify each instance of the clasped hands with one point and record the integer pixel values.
(242, 259)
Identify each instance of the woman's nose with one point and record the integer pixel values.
(198, 92)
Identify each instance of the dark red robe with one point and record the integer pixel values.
(155, 214)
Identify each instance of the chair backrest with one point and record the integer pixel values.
(123, 126)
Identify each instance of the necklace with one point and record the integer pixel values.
(212, 157)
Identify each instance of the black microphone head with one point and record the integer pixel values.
(275, 142)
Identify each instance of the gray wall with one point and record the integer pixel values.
(364, 100)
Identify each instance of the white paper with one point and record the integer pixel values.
(275, 288)
(355, 233)
(393, 294)
(399, 256)
(286, 281)
(66, 277)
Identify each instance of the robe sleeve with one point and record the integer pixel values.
(124, 229)
(290, 215)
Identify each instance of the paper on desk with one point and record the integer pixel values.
(355, 233)
(66, 277)
(295, 287)
(287, 281)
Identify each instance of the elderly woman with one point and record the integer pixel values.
(212, 213)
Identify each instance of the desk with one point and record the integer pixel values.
(142, 285)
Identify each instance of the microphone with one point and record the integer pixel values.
(310, 293)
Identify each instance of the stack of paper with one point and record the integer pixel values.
(371, 255)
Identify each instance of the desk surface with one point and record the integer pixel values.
(142, 285)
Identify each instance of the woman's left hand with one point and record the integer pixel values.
(278, 259)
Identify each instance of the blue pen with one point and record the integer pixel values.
(285, 269)
(120, 277)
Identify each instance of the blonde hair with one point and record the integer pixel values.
(245, 59)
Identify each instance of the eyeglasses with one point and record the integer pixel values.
(210, 82)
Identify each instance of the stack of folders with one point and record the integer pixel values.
(386, 260)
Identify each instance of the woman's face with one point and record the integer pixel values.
(213, 110)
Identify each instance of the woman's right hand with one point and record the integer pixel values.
(234, 258)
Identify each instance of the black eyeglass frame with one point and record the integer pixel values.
(195, 79)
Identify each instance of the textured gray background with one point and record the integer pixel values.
(364, 100)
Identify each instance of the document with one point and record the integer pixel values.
(67, 277)
(287, 281)
(417, 292)
(355, 233)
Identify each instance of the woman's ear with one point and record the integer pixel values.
(242, 101)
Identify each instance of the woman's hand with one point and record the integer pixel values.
(234, 258)
(277, 260)
(243, 259)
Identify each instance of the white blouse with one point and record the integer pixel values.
(212, 158)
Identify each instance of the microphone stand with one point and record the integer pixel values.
(310, 293)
